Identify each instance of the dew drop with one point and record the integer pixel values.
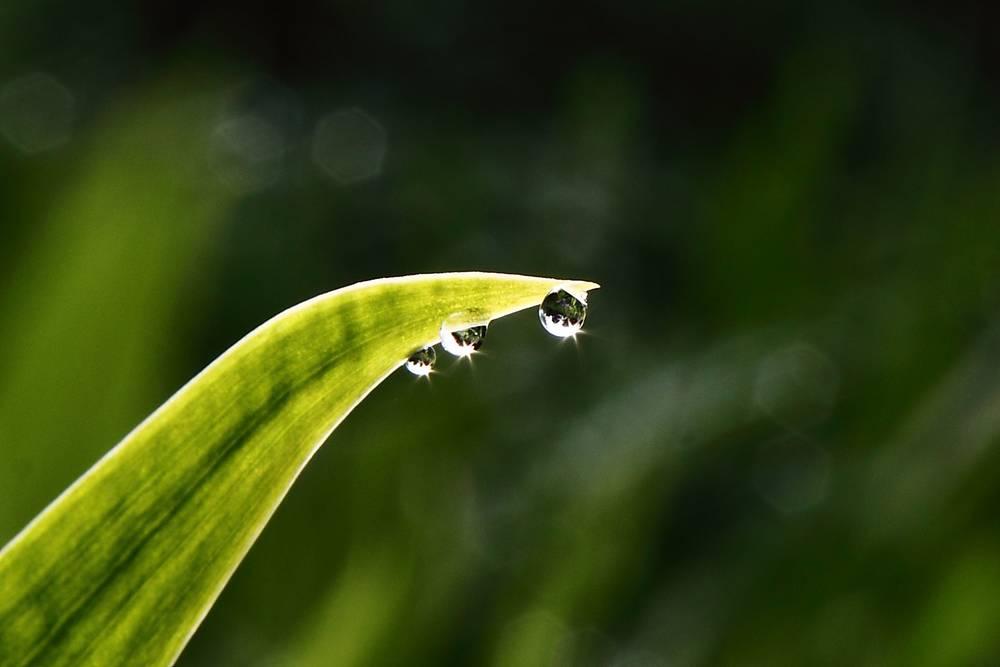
(421, 362)
(462, 342)
(562, 314)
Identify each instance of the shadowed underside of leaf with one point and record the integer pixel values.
(123, 566)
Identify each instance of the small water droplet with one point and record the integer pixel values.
(462, 342)
(562, 314)
(422, 361)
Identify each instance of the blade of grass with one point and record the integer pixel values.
(124, 565)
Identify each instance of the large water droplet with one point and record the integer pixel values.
(462, 342)
(562, 314)
(422, 361)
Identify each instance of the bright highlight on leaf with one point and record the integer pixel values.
(124, 565)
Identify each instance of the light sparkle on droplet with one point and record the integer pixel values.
(462, 342)
(562, 314)
(421, 362)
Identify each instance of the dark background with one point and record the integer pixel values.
(778, 442)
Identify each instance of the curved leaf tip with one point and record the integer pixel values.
(122, 567)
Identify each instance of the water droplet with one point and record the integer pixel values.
(562, 314)
(462, 342)
(422, 361)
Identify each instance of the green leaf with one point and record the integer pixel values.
(124, 565)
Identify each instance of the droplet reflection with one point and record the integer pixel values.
(462, 342)
(421, 363)
(562, 314)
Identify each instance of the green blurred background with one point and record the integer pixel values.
(778, 443)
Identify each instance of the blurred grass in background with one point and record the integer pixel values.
(776, 446)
